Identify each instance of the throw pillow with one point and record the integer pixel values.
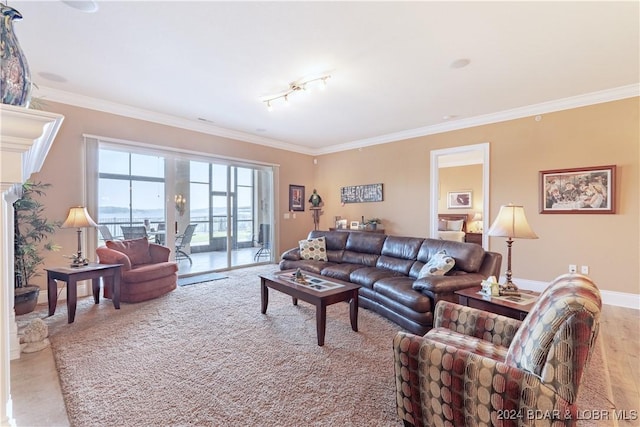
(136, 249)
(438, 265)
(455, 225)
(442, 225)
(314, 249)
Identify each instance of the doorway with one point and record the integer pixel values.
(459, 156)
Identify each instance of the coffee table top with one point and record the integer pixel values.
(315, 283)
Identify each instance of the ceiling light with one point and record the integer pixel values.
(297, 86)
(87, 6)
(460, 63)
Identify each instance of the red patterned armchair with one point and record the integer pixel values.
(481, 369)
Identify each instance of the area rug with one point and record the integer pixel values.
(200, 278)
(205, 356)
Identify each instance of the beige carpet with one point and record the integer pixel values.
(204, 355)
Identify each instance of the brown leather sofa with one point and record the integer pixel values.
(387, 268)
(146, 270)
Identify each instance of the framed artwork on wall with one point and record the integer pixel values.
(296, 198)
(361, 193)
(590, 190)
(459, 200)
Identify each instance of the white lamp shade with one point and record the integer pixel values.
(511, 222)
(78, 218)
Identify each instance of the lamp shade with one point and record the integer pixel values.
(78, 218)
(511, 222)
(477, 217)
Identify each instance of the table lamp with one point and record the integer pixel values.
(511, 223)
(79, 218)
(477, 222)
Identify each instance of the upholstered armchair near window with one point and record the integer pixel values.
(146, 270)
(479, 368)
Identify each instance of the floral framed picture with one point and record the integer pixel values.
(459, 200)
(590, 190)
(296, 198)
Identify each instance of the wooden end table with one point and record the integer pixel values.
(471, 298)
(72, 275)
(342, 291)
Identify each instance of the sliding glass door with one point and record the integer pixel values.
(213, 213)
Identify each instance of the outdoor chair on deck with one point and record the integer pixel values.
(183, 240)
(133, 232)
(480, 368)
(263, 240)
(105, 232)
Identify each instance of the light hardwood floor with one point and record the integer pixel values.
(37, 398)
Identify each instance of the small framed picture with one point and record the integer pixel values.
(354, 225)
(296, 198)
(459, 200)
(341, 224)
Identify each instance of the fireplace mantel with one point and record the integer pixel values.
(25, 139)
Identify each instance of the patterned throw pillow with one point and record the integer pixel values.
(314, 249)
(438, 265)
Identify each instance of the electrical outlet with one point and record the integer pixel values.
(584, 269)
(572, 268)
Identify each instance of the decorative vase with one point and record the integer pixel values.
(15, 83)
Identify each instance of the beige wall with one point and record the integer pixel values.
(590, 136)
(596, 135)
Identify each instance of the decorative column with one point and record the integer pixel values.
(25, 138)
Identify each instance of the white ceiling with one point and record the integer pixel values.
(390, 63)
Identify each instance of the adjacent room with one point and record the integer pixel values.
(320, 213)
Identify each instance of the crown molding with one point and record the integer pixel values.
(583, 100)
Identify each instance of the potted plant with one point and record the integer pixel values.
(372, 223)
(32, 231)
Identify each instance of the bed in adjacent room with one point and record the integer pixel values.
(452, 227)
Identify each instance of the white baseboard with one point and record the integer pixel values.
(84, 289)
(618, 299)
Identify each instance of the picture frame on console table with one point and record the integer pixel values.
(589, 190)
(296, 198)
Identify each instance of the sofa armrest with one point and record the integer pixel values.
(447, 284)
(111, 256)
(159, 253)
(405, 354)
(481, 324)
(292, 254)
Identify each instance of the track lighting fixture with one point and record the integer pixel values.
(297, 86)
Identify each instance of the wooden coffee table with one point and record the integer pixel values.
(319, 291)
(471, 298)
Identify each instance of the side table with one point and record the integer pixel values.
(71, 275)
(471, 298)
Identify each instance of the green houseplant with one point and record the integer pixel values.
(32, 231)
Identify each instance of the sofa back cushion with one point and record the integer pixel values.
(334, 242)
(399, 253)
(136, 249)
(468, 257)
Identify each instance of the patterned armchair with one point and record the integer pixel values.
(481, 369)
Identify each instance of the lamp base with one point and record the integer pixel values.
(509, 289)
(77, 264)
